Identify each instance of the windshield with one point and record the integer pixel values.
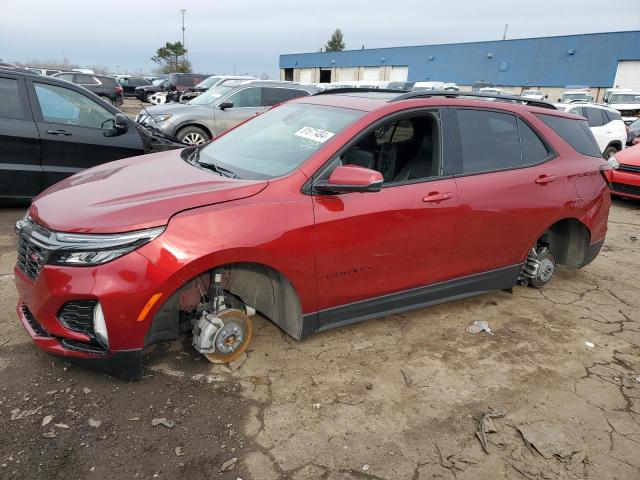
(278, 141)
(208, 82)
(158, 81)
(633, 98)
(532, 92)
(569, 97)
(635, 126)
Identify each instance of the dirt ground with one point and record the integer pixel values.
(395, 398)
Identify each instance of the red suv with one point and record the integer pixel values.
(324, 211)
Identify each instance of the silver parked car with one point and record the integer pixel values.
(220, 108)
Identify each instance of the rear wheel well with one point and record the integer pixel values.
(568, 241)
(259, 286)
(615, 144)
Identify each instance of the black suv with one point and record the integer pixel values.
(105, 87)
(129, 84)
(50, 129)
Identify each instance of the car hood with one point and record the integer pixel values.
(134, 193)
(629, 156)
(625, 106)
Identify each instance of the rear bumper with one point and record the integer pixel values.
(125, 363)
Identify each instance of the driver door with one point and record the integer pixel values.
(71, 127)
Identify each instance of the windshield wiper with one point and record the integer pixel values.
(194, 159)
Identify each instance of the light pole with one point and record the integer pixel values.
(183, 45)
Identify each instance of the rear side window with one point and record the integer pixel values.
(534, 150)
(10, 106)
(489, 141)
(595, 117)
(246, 98)
(611, 115)
(575, 132)
(273, 96)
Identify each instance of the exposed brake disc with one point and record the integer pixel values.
(233, 338)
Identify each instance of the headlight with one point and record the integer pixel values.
(96, 249)
(162, 117)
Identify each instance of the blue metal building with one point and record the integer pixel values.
(587, 59)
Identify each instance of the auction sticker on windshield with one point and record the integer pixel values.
(316, 134)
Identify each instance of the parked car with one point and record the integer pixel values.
(633, 133)
(50, 129)
(625, 179)
(220, 108)
(569, 96)
(610, 91)
(105, 87)
(605, 123)
(627, 103)
(403, 86)
(143, 92)
(492, 91)
(129, 85)
(428, 86)
(42, 71)
(209, 82)
(324, 211)
(533, 94)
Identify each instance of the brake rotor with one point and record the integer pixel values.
(233, 338)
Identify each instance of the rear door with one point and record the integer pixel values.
(20, 170)
(72, 127)
(510, 186)
(246, 103)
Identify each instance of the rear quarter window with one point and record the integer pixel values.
(575, 132)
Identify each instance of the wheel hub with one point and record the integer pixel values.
(233, 338)
(546, 270)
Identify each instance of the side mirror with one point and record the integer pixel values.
(225, 105)
(351, 178)
(560, 100)
(546, 96)
(120, 125)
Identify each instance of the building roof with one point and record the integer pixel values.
(590, 59)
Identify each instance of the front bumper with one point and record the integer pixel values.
(625, 183)
(123, 287)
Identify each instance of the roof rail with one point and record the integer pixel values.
(508, 98)
(329, 91)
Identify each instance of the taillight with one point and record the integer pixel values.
(119, 89)
(605, 171)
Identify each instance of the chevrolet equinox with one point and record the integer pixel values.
(323, 211)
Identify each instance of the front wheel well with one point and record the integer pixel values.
(615, 144)
(197, 125)
(257, 285)
(568, 240)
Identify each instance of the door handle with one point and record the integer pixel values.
(59, 132)
(544, 179)
(435, 197)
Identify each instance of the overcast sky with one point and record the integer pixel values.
(123, 35)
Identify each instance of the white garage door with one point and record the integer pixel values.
(399, 74)
(346, 74)
(306, 75)
(371, 74)
(628, 74)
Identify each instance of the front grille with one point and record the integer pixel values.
(78, 316)
(630, 113)
(629, 168)
(624, 188)
(33, 323)
(31, 258)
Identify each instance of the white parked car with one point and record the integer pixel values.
(493, 91)
(428, 86)
(533, 94)
(627, 103)
(605, 123)
(581, 95)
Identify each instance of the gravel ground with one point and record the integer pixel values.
(395, 398)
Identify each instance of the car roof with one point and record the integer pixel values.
(566, 106)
